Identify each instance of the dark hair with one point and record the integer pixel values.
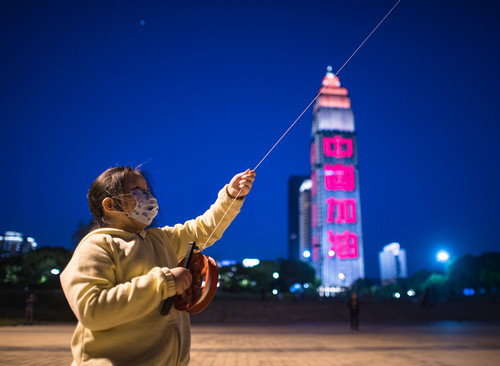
(110, 183)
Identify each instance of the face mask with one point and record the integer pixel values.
(146, 208)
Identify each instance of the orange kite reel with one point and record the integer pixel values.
(205, 278)
(201, 292)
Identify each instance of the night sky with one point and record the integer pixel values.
(200, 90)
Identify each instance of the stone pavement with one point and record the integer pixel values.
(280, 345)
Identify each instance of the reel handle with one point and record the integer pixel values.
(167, 303)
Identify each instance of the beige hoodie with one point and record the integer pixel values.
(115, 284)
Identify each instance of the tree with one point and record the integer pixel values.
(418, 281)
(82, 230)
(489, 272)
(464, 273)
(262, 274)
(40, 267)
(234, 278)
(292, 272)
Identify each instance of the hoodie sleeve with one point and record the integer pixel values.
(89, 284)
(207, 228)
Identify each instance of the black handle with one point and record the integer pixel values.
(167, 303)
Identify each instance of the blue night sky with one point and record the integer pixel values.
(200, 90)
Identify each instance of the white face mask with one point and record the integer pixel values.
(146, 208)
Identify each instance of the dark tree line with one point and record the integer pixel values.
(34, 269)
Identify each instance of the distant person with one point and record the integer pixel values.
(29, 310)
(121, 272)
(353, 306)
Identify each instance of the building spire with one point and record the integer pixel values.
(330, 79)
(329, 71)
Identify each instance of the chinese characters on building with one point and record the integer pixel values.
(338, 176)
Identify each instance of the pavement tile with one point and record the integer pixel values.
(440, 344)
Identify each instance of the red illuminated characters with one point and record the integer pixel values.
(345, 209)
(345, 245)
(337, 147)
(339, 177)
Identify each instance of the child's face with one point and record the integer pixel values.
(134, 181)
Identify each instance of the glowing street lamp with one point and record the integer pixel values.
(443, 256)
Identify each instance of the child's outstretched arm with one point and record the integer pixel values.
(241, 184)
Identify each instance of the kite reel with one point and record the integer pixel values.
(202, 290)
(205, 277)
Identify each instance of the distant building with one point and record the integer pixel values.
(295, 212)
(337, 239)
(305, 232)
(392, 264)
(14, 244)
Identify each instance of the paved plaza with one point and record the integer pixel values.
(307, 344)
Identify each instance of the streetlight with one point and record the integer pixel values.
(443, 256)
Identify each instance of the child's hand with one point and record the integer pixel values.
(241, 182)
(183, 279)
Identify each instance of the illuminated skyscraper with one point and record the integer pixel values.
(305, 220)
(392, 263)
(298, 203)
(14, 244)
(337, 240)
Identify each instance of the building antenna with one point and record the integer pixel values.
(308, 106)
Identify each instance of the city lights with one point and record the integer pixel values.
(276, 275)
(410, 293)
(250, 262)
(396, 295)
(296, 287)
(468, 291)
(306, 254)
(55, 271)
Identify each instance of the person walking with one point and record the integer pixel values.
(353, 306)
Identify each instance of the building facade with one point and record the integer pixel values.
(336, 231)
(13, 244)
(295, 216)
(392, 260)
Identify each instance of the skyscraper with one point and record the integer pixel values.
(296, 205)
(337, 240)
(14, 244)
(392, 263)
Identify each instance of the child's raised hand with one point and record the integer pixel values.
(183, 279)
(241, 184)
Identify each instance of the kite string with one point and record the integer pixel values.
(326, 85)
(366, 39)
(304, 111)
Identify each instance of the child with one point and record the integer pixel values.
(121, 272)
